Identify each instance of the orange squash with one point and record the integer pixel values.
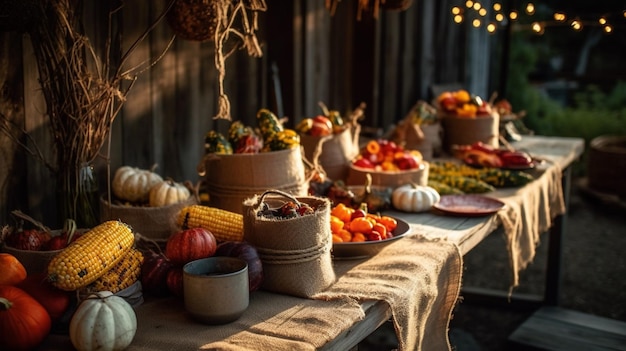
(12, 271)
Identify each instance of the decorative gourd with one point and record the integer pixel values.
(247, 253)
(168, 192)
(414, 198)
(104, 322)
(190, 244)
(134, 184)
(24, 323)
(13, 271)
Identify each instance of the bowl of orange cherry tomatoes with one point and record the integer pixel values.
(358, 234)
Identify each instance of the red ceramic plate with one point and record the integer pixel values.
(469, 205)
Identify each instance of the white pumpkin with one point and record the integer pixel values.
(134, 184)
(103, 322)
(414, 198)
(168, 192)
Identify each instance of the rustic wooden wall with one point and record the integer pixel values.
(389, 63)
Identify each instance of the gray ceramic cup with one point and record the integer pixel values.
(216, 289)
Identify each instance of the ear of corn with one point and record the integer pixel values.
(224, 225)
(125, 273)
(90, 256)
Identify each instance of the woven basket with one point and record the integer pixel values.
(466, 131)
(606, 166)
(419, 176)
(156, 223)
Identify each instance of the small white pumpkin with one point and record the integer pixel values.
(414, 198)
(103, 322)
(134, 184)
(168, 192)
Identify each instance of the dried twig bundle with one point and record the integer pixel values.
(83, 92)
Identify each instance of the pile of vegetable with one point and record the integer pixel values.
(144, 187)
(387, 156)
(449, 177)
(461, 103)
(358, 225)
(269, 135)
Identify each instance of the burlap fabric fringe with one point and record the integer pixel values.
(295, 252)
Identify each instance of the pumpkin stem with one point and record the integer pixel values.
(5, 304)
(186, 221)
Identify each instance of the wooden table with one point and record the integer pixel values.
(464, 232)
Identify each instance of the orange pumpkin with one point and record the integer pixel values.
(24, 323)
(11, 270)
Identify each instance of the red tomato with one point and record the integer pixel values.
(363, 163)
(24, 323)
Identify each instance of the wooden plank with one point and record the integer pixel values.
(12, 156)
(41, 183)
(136, 117)
(554, 328)
(376, 313)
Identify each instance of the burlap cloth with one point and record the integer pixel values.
(529, 212)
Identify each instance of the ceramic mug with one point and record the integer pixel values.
(216, 289)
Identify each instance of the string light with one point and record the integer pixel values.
(480, 16)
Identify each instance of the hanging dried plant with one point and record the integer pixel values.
(228, 12)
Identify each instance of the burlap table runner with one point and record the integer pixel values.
(419, 279)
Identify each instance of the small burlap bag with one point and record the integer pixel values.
(295, 252)
(333, 153)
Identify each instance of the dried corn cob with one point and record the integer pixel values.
(224, 225)
(121, 276)
(90, 256)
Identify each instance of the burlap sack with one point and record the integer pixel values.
(466, 130)
(295, 252)
(333, 153)
(230, 179)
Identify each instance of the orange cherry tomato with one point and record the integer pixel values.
(361, 225)
(389, 222)
(381, 229)
(337, 239)
(372, 147)
(358, 237)
(336, 224)
(342, 212)
(345, 235)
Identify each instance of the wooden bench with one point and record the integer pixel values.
(556, 328)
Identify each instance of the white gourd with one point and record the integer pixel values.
(414, 198)
(104, 322)
(168, 192)
(134, 184)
